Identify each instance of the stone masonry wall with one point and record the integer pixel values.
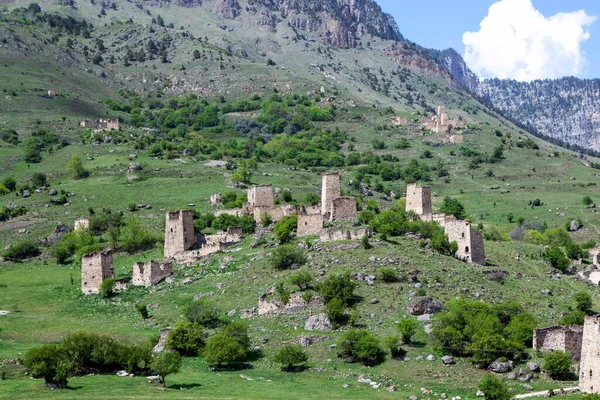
(310, 224)
(563, 338)
(150, 273)
(179, 232)
(335, 236)
(470, 242)
(95, 268)
(330, 191)
(261, 196)
(589, 367)
(418, 199)
(343, 208)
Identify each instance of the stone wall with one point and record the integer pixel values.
(82, 224)
(418, 199)
(456, 139)
(95, 268)
(330, 191)
(216, 199)
(343, 209)
(261, 196)
(150, 273)
(335, 236)
(295, 304)
(275, 213)
(589, 367)
(310, 224)
(237, 212)
(563, 338)
(220, 241)
(470, 241)
(179, 232)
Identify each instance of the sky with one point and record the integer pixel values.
(508, 39)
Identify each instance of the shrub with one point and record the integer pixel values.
(556, 257)
(107, 288)
(289, 356)
(287, 256)
(311, 199)
(285, 227)
(48, 362)
(186, 338)
(407, 328)
(38, 179)
(364, 242)
(576, 317)
(583, 301)
(266, 219)
(225, 221)
(557, 364)
(494, 388)
(282, 292)
(166, 363)
(338, 286)
(3, 190)
(287, 196)
(10, 183)
(393, 343)
(133, 238)
(453, 207)
(221, 349)
(335, 310)
(302, 279)
(21, 251)
(204, 313)
(574, 251)
(75, 168)
(237, 331)
(388, 275)
(143, 310)
(359, 345)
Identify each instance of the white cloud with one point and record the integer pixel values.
(516, 41)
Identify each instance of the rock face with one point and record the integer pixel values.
(319, 323)
(424, 305)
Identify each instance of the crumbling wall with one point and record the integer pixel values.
(330, 191)
(563, 338)
(275, 213)
(82, 224)
(335, 236)
(589, 367)
(296, 303)
(418, 199)
(237, 212)
(179, 232)
(150, 273)
(470, 241)
(95, 268)
(220, 241)
(456, 139)
(343, 208)
(310, 224)
(261, 196)
(216, 199)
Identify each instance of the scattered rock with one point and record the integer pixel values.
(319, 323)
(187, 281)
(431, 357)
(374, 300)
(533, 366)
(479, 393)
(424, 305)
(220, 285)
(448, 360)
(122, 373)
(52, 386)
(526, 378)
(345, 386)
(52, 192)
(232, 312)
(2, 312)
(547, 292)
(26, 193)
(500, 367)
(153, 379)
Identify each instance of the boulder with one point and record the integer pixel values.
(533, 366)
(319, 323)
(574, 226)
(448, 360)
(500, 367)
(26, 193)
(424, 305)
(431, 357)
(162, 341)
(52, 192)
(133, 166)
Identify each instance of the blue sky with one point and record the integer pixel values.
(441, 24)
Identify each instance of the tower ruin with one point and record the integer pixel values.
(589, 367)
(95, 268)
(261, 196)
(330, 191)
(150, 273)
(418, 199)
(179, 232)
(470, 241)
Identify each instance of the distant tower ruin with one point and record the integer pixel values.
(330, 191)
(418, 199)
(179, 232)
(589, 367)
(150, 273)
(343, 209)
(95, 268)
(470, 241)
(261, 196)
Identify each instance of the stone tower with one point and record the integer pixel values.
(470, 241)
(330, 191)
(589, 368)
(418, 199)
(261, 196)
(179, 232)
(95, 268)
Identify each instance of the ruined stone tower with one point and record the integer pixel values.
(589, 368)
(418, 199)
(150, 273)
(179, 232)
(470, 241)
(261, 196)
(330, 191)
(95, 268)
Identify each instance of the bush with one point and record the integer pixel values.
(364, 242)
(338, 287)
(494, 388)
(358, 345)
(576, 317)
(287, 257)
(302, 279)
(407, 328)
(556, 257)
(237, 331)
(21, 251)
(48, 362)
(143, 310)
(393, 343)
(453, 207)
(226, 221)
(75, 168)
(388, 275)
(289, 356)
(10, 183)
(133, 238)
(287, 196)
(266, 219)
(285, 227)
(557, 364)
(107, 288)
(583, 301)
(186, 338)
(166, 363)
(204, 313)
(38, 179)
(311, 199)
(221, 349)
(335, 310)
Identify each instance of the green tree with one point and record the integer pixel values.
(221, 349)
(587, 201)
(290, 355)
(196, 54)
(407, 328)
(287, 256)
(186, 338)
(166, 363)
(204, 313)
(359, 345)
(33, 150)
(10, 183)
(557, 364)
(452, 206)
(583, 301)
(302, 279)
(284, 229)
(48, 362)
(160, 21)
(107, 288)
(393, 343)
(336, 310)
(494, 388)
(557, 258)
(338, 286)
(76, 169)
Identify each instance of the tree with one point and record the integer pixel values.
(243, 173)
(338, 286)
(160, 21)
(38, 179)
(10, 183)
(583, 301)
(286, 257)
(285, 227)
(336, 309)
(204, 313)
(557, 364)
(165, 363)
(393, 343)
(107, 288)
(187, 339)
(196, 54)
(407, 328)
(494, 388)
(359, 345)
(221, 349)
(48, 362)
(76, 169)
(21, 251)
(33, 150)
(289, 356)
(302, 279)
(452, 206)
(557, 258)
(587, 201)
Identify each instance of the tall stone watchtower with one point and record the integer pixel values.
(330, 191)
(470, 241)
(418, 199)
(589, 368)
(179, 232)
(95, 268)
(261, 196)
